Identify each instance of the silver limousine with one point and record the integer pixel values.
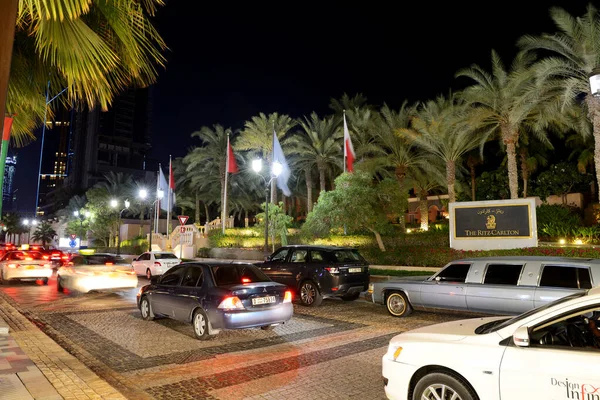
(490, 285)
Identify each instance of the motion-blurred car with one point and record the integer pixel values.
(550, 352)
(317, 272)
(24, 265)
(216, 296)
(56, 257)
(154, 263)
(95, 272)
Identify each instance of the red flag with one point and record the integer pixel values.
(171, 179)
(348, 149)
(232, 167)
(7, 125)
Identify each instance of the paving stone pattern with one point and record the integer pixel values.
(97, 346)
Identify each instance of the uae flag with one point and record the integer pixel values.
(349, 154)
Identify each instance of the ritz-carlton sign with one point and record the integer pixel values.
(485, 225)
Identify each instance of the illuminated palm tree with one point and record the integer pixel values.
(44, 233)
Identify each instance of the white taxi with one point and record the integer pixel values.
(24, 265)
(95, 272)
(154, 263)
(551, 353)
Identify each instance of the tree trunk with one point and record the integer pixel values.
(510, 139)
(451, 179)
(594, 115)
(423, 206)
(322, 178)
(197, 216)
(401, 177)
(472, 168)
(378, 238)
(309, 189)
(206, 211)
(524, 172)
(142, 221)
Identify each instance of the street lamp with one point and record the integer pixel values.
(143, 193)
(276, 169)
(127, 204)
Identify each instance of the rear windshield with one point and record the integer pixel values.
(234, 274)
(103, 259)
(349, 255)
(162, 256)
(23, 255)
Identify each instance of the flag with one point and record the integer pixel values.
(232, 167)
(171, 183)
(349, 154)
(278, 156)
(162, 185)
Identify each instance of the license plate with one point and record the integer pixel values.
(263, 300)
(30, 267)
(354, 270)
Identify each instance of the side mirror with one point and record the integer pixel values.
(521, 337)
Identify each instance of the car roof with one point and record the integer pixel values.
(531, 258)
(319, 247)
(218, 263)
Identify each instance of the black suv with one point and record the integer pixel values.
(315, 272)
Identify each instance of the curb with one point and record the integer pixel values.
(3, 327)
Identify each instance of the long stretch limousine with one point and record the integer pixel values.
(491, 285)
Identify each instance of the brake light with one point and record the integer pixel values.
(246, 280)
(28, 259)
(109, 264)
(287, 298)
(231, 303)
(65, 257)
(46, 257)
(13, 266)
(35, 248)
(333, 270)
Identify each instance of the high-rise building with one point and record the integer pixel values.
(10, 168)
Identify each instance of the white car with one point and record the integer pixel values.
(551, 353)
(95, 272)
(154, 263)
(24, 265)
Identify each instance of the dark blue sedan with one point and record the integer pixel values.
(216, 296)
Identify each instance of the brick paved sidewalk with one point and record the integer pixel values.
(33, 366)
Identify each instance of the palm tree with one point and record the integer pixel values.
(438, 129)
(117, 185)
(573, 55)
(348, 103)
(425, 178)
(44, 233)
(318, 145)
(473, 160)
(257, 138)
(505, 103)
(93, 48)
(394, 151)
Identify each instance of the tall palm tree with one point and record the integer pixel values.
(573, 54)
(348, 103)
(117, 184)
(44, 233)
(257, 138)
(438, 129)
(317, 144)
(473, 160)
(394, 152)
(506, 102)
(363, 123)
(426, 179)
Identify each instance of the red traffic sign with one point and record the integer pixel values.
(182, 229)
(73, 236)
(182, 219)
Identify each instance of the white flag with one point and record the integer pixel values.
(164, 186)
(278, 156)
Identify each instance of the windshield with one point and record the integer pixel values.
(497, 325)
(162, 256)
(236, 274)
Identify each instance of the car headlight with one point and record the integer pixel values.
(371, 287)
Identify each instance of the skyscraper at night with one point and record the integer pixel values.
(10, 168)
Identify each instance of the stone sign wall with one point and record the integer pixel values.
(497, 224)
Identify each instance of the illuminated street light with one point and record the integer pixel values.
(114, 203)
(143, 193)
(76, 213)
(276, 170)
(25, 222)
(257, 165)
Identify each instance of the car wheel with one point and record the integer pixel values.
(148, 274)
(310, 295)
(267, 327)
(59, 285)
(398, 305)
(200, 324)
(45, 281)
(145, 309)
(351, 297)
(2, 280)
(439, 385)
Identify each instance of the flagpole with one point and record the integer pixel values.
(224, 210)
(169, 195)
(344, 154)
(156, 214)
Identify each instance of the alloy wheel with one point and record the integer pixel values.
(439, 391)
(397, 304)
(145, 308)
(199, 324)
(307, 293)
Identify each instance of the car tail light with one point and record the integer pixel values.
(287, 298)
(28, 259)
(65, 257)
(333, 270)
(156, 263)
(246, 280)
(13, 266)
(109, 263)
(35, 248)
(46, 257)
(231, 303)
(47, 265)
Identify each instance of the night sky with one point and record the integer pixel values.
(227, 63)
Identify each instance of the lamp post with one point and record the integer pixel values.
(114, 204)
(276, 169)
(143, 193)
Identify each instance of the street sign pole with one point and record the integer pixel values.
(182, 220)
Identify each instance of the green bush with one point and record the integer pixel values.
(557, 221)
(203, 252)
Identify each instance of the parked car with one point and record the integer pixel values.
(95, 272)
(491, 285)
(154, 263)
(24, 265)
(216, 296)
(317, 272)
(550, 352)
